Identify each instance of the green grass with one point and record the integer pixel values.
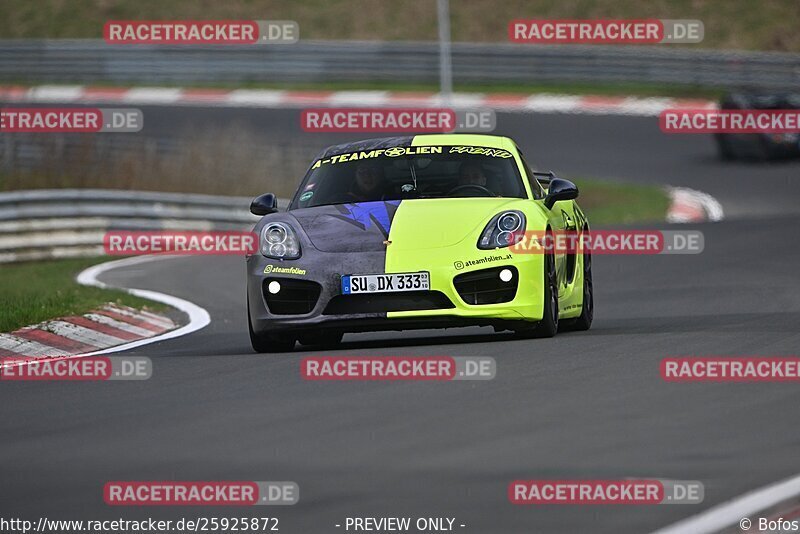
(611, 203)
(37, 291)
(736, 24)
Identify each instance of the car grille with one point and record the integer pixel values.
(296, 297)
(388, 302)
(485, 286)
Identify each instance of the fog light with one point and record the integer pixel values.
(506, 275)
(274, 287)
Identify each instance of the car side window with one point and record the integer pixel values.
(536, 187)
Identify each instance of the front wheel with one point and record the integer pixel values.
(584, 320)
(724, 148)
(548, 326)
(266, 342)
(323, 340)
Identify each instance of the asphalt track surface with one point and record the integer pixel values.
(587, 405)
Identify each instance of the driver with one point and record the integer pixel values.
(471, 173)
(369, 184)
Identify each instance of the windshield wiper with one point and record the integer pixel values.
(413, 177)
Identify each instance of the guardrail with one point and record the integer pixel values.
(93, 61)
(62, 223)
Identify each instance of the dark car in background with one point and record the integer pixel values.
(762, 146)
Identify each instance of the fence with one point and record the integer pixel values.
(93, 61)
(61, 223)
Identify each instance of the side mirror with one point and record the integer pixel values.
(560, 190)
(264, 205)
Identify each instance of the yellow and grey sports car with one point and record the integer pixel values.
(416, 232)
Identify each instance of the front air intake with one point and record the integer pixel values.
(388, 302)
(486, 286)
(294, 297)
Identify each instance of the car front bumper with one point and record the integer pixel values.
(326, 269)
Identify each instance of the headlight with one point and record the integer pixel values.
(503, 230)
(279, 241)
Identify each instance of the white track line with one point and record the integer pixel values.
(198, 317)
(731, 512)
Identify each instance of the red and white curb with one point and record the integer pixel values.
(110, 329)
(106, 327)
(270, 98)
(688, 206)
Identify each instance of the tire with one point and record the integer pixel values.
(324, 340)
(584, 320)
(726, 152)
(268, 343)
(548, 326)
(764, 149)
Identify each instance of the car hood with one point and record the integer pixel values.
(409, 224)
(356, 227)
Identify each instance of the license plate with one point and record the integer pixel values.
(385, 283)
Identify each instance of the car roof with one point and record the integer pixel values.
(482, 140)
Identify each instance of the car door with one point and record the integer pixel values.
(561, 217)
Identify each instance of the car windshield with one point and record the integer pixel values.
(400, 173)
